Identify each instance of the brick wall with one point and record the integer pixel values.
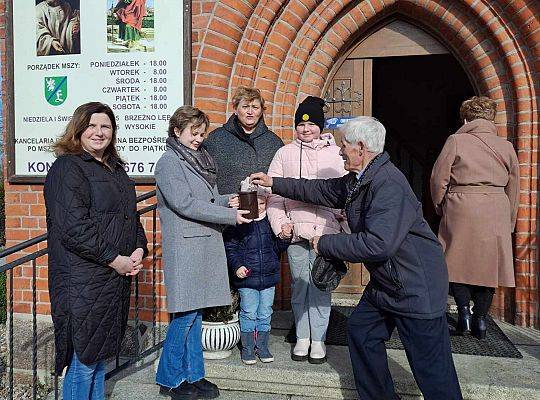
(289, 49)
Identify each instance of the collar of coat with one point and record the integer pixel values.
(326, 139)
(233, 126)
(199, 160)
(373, 167)
(478, 126)
(85, 156)
(370, 171)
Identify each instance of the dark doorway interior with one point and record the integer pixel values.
(417, 99)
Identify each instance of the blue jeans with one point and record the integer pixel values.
(84, 382)
(182, 356)
(256, 309)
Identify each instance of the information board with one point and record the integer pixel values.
(128, 54)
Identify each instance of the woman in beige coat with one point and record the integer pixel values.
(475, 188)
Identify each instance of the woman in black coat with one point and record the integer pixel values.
(96, 244)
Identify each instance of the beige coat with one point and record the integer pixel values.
(475, 188)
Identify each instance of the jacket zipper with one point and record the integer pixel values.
(260, 255)
(301, 143)
(394, 275)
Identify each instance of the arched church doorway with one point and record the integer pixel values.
(410, 82)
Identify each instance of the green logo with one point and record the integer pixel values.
(56, 89)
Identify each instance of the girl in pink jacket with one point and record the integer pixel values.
(311, 156)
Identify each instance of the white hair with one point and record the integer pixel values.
(367, 130)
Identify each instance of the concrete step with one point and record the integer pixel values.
(481, 378)
(280, 378)
(149, 392)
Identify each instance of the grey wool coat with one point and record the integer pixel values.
(192, 215)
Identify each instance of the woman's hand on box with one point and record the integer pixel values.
(240, 217)
(234, 201)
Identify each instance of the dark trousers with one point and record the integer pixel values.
(427, 345)
(481, 296)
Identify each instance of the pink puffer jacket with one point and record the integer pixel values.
(318, 159)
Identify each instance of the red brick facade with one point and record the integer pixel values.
(288, 49)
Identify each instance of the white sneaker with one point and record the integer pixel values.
(300, 351)
(317, 355)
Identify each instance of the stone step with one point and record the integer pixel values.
(149, 392)
(278, 379)
(481, 378)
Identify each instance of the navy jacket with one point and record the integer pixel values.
(389, 235)
(255, 247)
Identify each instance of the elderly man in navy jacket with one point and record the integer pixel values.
(409, 280)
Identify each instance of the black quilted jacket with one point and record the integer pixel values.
(91, 218)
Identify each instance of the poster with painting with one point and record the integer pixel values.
(69, 52)
(130, 26)
(58, 27)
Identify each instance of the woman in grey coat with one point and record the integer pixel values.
(192, 215)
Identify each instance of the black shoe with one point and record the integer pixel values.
(296, 357)
(206, 389)
(185, 391)
(464, 320)
(479, 327)
(312, 360)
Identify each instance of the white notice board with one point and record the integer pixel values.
(130, 54)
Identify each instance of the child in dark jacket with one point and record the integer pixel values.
(253, 257)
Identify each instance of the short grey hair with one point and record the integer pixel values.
(367, 130)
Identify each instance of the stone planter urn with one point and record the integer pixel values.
(218, 338)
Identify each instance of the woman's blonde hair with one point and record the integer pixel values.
(478, 107)
(185, 115)
(248, 94)
(70, 141)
